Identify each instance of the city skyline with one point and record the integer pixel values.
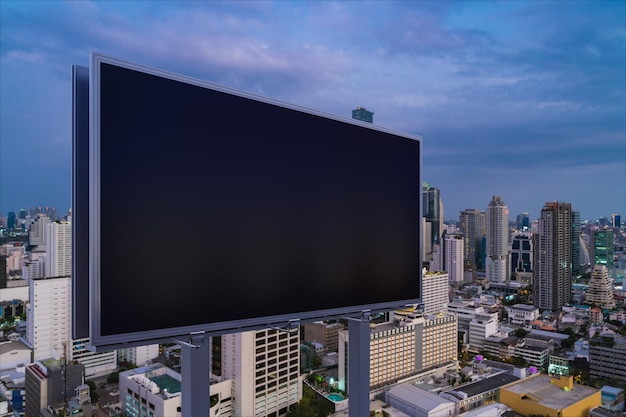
(519, 99)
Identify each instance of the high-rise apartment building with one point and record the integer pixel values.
(265, 368)
(552, 274)
(59, 249)
(602, 247)
(360, 113)
(497, 228)
(453, 257)
(576, 248)
(435, 292)
(48, 317)
(600, 290)
(473, 229)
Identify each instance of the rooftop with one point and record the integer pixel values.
(485, 385)
(166, 382)
(413, 394)
(539, 388)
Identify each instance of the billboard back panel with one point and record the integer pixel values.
(215, 210)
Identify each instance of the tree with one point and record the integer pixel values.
(521, 332)
(93, 394)
(114, 377)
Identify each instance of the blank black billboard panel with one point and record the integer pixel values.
(214, 210)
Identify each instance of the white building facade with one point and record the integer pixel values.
(497, 251)
(59, 249)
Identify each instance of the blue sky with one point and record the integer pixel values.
(526, 100)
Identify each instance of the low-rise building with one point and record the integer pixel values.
(522, 314)
(607, 358)
(478, 394)
(541, 395)
(417, 402)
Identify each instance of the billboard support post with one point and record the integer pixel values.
(195, 381)
(359, 365)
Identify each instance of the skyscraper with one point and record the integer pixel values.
(552, 274)
(473, 229)
(497, 255)
(600, 291)
(576, 248)
(602, 247)
(360, 113)
(453, 257)
(432, 210)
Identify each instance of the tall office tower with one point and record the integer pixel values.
(600, 290)
(522, 223)
(51, 382)
(11, 220)
(576, 250)
(433, 213)
(403, 348)
(497, 253)
(265, 368)
(473, 229)
(48, 320)
(602, 247)
(453, 257)
(37, 232)
(522, 253)
(360, 113)
(616, 221)
(552, 274)
(435, 292)
(3, 271)
(59, 249)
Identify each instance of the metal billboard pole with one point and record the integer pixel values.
(195, 379)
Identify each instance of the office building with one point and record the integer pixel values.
(435, 292)
(50, 382)
(325, 333)
(522, 223)
(473, 230)
(497, 232)
(616, 221)
(360, 113)
(600, 289)
(49, 317)
(552, 274)
(264, 366)
(602, 247)
(59, 249)
(96, 363)
(522, 314)
(150, 391)
(37, 232)
(432, 210)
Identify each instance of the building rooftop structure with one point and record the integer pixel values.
(541, 389)
(484, 385)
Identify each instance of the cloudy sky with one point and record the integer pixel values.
(525, 100)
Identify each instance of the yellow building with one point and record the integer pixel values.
(542, 395)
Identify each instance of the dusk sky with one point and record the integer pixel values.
(525, 100)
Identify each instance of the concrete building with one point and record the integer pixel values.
(600, 289)
(482, 326)
(48, 317)
(607, 358)
(522, 314)
(325, 333)
(552, 274)
(49, 382)
(497, 232)
(522, 254)
(474, 396)
(432, 210)
(541, 395)
(139, 355)
(435, 292)
(96, 363)
(417, 402)
(150, 391)
(361, 113)
(264, 367)
(59, 249)
(404, 347)
(453, 259)
(37, 232)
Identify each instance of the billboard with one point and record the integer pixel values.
(213, 210)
